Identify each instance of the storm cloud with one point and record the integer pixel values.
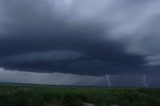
(80, 36)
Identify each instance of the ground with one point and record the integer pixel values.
(37, 95)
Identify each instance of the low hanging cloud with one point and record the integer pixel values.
(80, 36)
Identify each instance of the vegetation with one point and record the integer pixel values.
(12, 95)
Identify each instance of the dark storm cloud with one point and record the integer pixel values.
(49, 36)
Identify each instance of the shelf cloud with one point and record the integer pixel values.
(80, 36)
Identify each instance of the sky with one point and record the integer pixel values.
(83, 37)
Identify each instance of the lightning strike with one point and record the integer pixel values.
(108, 80)
(144, 81)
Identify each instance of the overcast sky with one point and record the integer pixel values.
(80, 36)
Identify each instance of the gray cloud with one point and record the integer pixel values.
(105, 36)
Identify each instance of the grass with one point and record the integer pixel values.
(11, 95)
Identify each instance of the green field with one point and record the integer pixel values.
(14, 95)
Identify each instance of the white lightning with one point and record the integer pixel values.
(108, 80)
(144, 81)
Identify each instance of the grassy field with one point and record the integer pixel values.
(12, 95)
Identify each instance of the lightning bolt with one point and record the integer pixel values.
(108, 80)
(109, 83)
(144, 81)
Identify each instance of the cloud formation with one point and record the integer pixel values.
(80, 36)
